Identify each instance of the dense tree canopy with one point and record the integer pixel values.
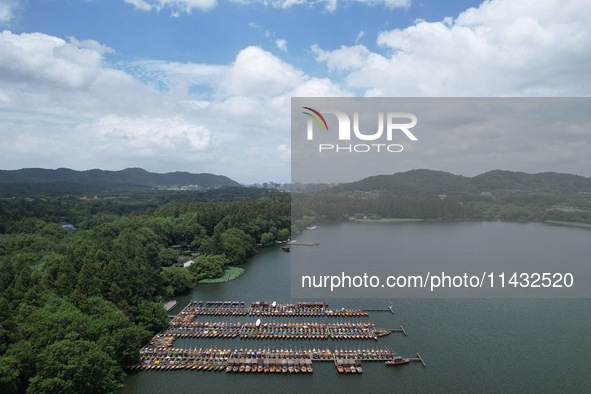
(77, 304)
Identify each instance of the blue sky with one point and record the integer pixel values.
(205, 85)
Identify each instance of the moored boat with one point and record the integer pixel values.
(398, 361)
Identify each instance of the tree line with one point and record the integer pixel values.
(521, 207)
(76, 305)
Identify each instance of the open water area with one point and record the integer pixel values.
(470, 345)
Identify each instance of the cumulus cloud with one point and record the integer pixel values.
(49, 59)
(149, 137)
(502, 47)
(256, 72)
(344, 58)
(65, 105)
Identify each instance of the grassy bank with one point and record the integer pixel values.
(568, 224)
(230, 273)
(387, 220)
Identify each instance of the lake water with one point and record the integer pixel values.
(469, 345)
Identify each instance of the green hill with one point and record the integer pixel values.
(64, 180)
(425, 183)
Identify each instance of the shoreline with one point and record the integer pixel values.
(387, 220)
(567, 224)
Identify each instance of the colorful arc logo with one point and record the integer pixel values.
(317, 116)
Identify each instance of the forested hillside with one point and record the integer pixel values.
(82, 280)
(35, 181)
(437, 195)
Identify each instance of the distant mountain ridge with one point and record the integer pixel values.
(129, 177)
(429, 182)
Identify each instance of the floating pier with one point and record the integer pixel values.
(419, 358)
(400, 329)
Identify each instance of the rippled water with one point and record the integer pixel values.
(469, 345)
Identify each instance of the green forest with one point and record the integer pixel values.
(82, 280)
(435, 195)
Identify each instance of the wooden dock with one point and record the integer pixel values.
(401, 329)
(419, 358)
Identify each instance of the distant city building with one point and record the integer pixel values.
(285, 187)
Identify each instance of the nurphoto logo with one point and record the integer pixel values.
(396, 123)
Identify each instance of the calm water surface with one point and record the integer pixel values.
(469, 345)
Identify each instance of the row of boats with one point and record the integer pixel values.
(261, 308)
(348, 366)
(260, 365)
(274, 330)
(260, 360)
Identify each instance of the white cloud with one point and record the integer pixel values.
(146, 137)
(359, 37)
(285, 3)
(386, 3)
(281, 44)
(47, 59)
(9, 11)
(140, 4)
(256, 72)
(64, 104)
(187, 6)
(319, 87)
(175, 6)
(5, 12)
(397, 3)
(195, 117)
(109, 142)
(331, 5)
(344, 58)
(502, 47)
